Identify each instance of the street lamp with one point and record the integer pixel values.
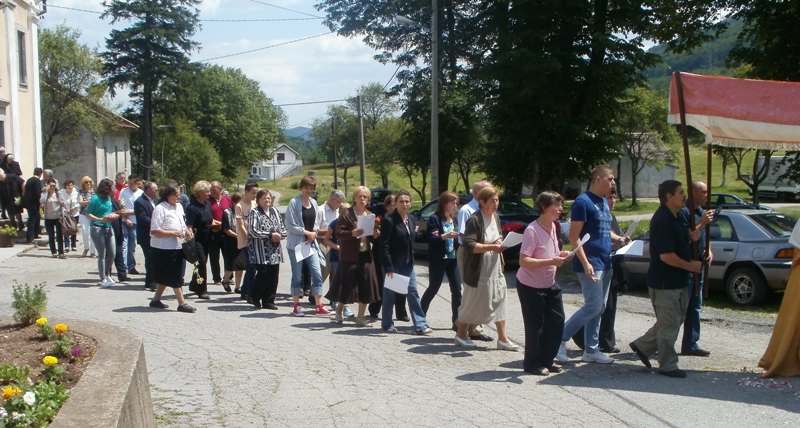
(404, 20)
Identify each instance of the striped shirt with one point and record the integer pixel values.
(261, 226)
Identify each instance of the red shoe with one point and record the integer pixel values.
(322, 311)
(297, 311)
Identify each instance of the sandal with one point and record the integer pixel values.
(226, 285)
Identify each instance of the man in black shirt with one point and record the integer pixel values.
(31, 200)
(670, 265)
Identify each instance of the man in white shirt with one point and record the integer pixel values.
(326, 213)
(127, 197)
(464, 213)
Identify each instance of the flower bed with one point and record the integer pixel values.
(38, 366)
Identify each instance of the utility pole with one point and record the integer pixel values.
(333, 142)
(361, 142)
(434, 99)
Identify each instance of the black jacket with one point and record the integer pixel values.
(397, 244)
(143, 210)
(33, 192)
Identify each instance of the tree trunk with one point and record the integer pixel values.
(634, 201)
(724, 172)
(385, 181)
(147, 129)
(620, 196)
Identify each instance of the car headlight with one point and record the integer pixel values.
(785, 253)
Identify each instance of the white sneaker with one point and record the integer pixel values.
(562, 353)
(597, 357)
(106, 283)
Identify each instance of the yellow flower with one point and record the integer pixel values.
(60, 328)
(50, 360)
(41, 322)
(10, 391)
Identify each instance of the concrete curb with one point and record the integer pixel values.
(114, 391)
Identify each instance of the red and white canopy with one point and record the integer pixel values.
(757, 114)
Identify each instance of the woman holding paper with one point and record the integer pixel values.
(484, 298)
(301, 214)
(355, 281)
(539, 295)
(442, 234)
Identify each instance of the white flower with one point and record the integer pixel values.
(29, 398)
(3, 412)
(17, 416)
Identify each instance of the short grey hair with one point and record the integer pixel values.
(337, 194)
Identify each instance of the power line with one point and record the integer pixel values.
(202, 20)
(286, 9)
(310, 102)
(265, 47)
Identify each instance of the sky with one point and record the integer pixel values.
(328, 67)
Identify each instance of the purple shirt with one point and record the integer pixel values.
(539, 244)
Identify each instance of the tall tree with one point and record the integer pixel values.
(759, 172)
(183, 154)
(383, 147)
(154, 47)
(71, 91)
(769, 44)
(726, 156)
(646, 138)
(341, 140)
(229, 109)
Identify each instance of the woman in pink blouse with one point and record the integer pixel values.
(539, 295)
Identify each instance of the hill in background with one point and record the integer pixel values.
(708, 58)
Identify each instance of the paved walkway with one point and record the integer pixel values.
(230, 365)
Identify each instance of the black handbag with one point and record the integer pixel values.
(192, 250)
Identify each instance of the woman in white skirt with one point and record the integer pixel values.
(484, 294)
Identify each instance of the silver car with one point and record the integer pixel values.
(752, 255)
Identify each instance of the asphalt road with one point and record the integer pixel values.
(230, 365)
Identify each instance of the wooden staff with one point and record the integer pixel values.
(688, 166)
(706, 266)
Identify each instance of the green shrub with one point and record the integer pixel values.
(29, 303)
(13, 374)
(62, 346)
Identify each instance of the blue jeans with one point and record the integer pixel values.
(129, 245)
(691, 327)
(103, 238)
(312, 262)
(595, 294)
(414, 305)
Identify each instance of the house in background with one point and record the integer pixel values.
(284, 161)
(99, 156)
(20, 113)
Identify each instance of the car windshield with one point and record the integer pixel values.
(777, 224)
(515, 208)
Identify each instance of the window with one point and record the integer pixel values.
(722, 229)
(281, 157)
(23, 66)
(2, 132)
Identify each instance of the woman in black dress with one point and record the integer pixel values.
(355, 279)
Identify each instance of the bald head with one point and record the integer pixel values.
(699, 192)
(478, 186)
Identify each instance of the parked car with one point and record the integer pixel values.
(376, 201)
(255, 177)
(733, 202)
(751, 250)
(514, 216)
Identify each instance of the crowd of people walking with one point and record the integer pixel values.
(369, 261)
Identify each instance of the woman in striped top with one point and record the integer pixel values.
(265, 232)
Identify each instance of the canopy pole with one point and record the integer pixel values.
(688, 166)
(706, 266)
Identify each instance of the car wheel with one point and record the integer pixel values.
(746, 287)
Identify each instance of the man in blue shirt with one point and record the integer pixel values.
(691, 327)
(670, 265)
(590, 215)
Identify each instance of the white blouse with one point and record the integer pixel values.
(167, 217)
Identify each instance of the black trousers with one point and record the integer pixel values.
(201, 287)
(543, 316)
(214, 250)
(34, 218)
(148, 265)
(54, 235)
(265, 284)
(437, 270)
